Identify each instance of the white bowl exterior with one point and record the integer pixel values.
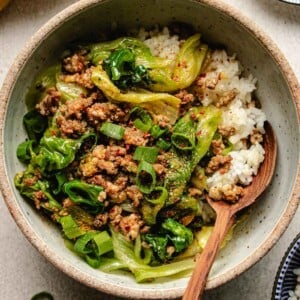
(266, 221)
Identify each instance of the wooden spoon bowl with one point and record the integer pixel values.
(226, 213)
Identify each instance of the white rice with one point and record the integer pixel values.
(295, 295)
(240, 113)
(161, 43)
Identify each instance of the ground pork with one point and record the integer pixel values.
(49, 104)
(130, 226)
(134, 194)
(134, 136)
(217, 146)
(219, 163)
(74, 64)
(227, 192)
(83, 79)
(106, 111)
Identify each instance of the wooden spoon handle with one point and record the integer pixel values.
(204, 261)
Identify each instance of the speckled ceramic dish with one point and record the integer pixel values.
(286, 280)
(278, 92)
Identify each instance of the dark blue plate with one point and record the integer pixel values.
(285, 279)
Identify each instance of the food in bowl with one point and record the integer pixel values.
(127, 138)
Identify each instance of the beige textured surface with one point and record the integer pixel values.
(23, 271)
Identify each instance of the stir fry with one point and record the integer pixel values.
(124, 146)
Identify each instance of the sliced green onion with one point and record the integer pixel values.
(42, 296)
(161, 195)
(146, 177)
(82, 244)
(163, 144)
(142, 119)
(92, 245)
(183, 141)
(70, 227)
(103, 243)
(94, 262)
(148, 154)
(112, 130)
(156, 131)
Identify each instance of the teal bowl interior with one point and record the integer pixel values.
(88, 20)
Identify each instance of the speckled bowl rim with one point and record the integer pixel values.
(87, 279)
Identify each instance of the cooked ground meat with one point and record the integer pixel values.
(130, 226)
(134, 194)
(106, 111)
(134, 136)
(226, 98)
(74, 64)
(226, 131)
(219, 163)
(49, 104)
(256, 137)
(217, 146)
(83, 79)
(100, 220)
(227, 192)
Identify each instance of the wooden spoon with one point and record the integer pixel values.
(226, 216)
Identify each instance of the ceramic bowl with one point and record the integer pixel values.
(278, 92)
(286, 279)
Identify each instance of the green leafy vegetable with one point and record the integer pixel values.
(124, 252)
(182, 164)
(112, 130)
(121, 68)
(25, 151)
(187, 67)
(70, 91)
(184, 131)
(172, 233)
(44, 81)
(35, 124)
(30, 186)
(142, 53)
(55, 153)
(84, 193)
(70, 227)
(157, 103)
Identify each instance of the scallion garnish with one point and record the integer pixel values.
(148, 154)
(92, 245)
(112, 130)
(163, 144)
(141, 119)
(156, 131)
(42, 296)
(158, 196)
(146, 177)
